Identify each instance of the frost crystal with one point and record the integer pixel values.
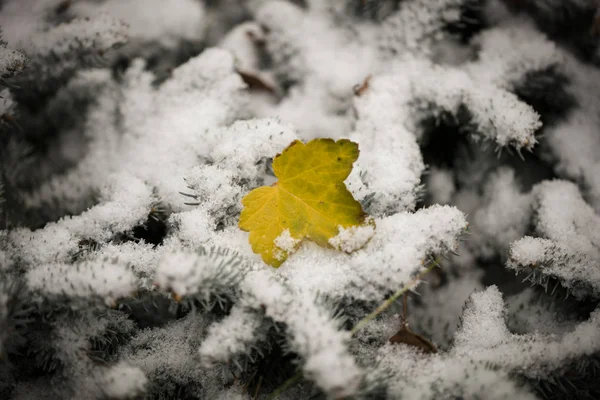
(567, 247)
(89, 279)
(203, 273)
(122, 382)
(353, 238)
(285, 243)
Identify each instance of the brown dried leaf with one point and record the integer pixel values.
(255, 82)
(406, 336)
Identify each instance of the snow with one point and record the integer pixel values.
(509, 52)
(484, 355)
(246, 143)
(353, 238)
(503, 214)
(402, 245)
(193, 227)
(122, 381)
(391, 111)
(466, 379)
(202, 273)
(100, 32)
(54, 242)
(243, 42)
(483, 320)
(213, 189)
(313, 334)
(106, 280)
(285, 243)
(440, 185)
(166, 354)
(437, 311)
(21, 19)
(417, 26)
(568, 242)
(158, 21)
(232, 336)
(11, 61)
(142, 258)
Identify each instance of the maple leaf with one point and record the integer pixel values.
(310, 200)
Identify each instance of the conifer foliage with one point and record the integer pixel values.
(449, 155)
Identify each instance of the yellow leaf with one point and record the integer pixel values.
(310, 200)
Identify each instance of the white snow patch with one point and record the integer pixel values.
(353, 238)
(202, 272)
(86, 279)
(122, 381)
(285, 244)
(164, 21)
(232, 336)
(440, 185)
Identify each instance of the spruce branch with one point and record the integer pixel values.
(366, 320)
(392, 299)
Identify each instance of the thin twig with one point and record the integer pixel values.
(386, 304)
(405, 310)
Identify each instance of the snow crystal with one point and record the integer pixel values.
(530, 311)
(528, 251)
(284, 244)
(142, 258)
(440, 185)
(122, 381)
(404, 367)
(484, 356)
(194, 227)
(390, 115)
(100, 32)
(503, 214)
(214, 189)
(508, 53)
(54, 242)
(353, 238)
(168, 355)
(403, 243)
(483, 320)
(245, 144)
(165, 22)
(569, 239)
(87, 279)
(203, 272)
(530, 354)
(417, 25)
(313, 334)
(436, 314)
(498, 115)
(11, 61)
(232, 336)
